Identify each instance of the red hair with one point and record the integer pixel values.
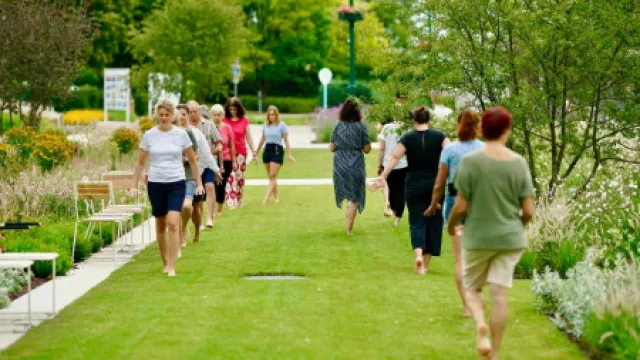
(468, 123)
(495, 122)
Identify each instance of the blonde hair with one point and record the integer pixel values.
(167, 105)
(272, 107)
(217, 108)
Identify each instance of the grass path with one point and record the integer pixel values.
(361, 299)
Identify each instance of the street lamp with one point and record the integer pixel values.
(348, 14)
(325, 76)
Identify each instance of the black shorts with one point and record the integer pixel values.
(165, 197)
(273, 153)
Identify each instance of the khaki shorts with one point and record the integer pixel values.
(489, 266)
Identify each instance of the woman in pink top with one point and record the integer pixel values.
(234, 117)
(227, 158)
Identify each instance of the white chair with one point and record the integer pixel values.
(20, 256)
(90, 192)
(122, 180)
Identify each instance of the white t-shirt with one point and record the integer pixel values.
(205, 157)
(165, 150)
(390, 136)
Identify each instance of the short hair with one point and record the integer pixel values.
(204, 110)
(495, 122)
(217, 108)
(468, 123)
(165, 104)
(350, 110)
(272, 107)
(421, 115)
(182, 107)
(236, 103)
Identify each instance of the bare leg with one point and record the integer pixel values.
(476, 305)
(187, 210)
(499, 314)
(457, 254)
(161, 238)
(197, 220)
(387, 205)
(273, 180)
(268, 195)
(419, 261)
(211, 198)
(427, 260)
(173, 243)
(352, 210)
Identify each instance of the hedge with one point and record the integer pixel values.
(84, 97)
(338, 91)
(287, 105)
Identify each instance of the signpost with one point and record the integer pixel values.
(157, 84)
(235, 69)
(325, 76)
(117, 91)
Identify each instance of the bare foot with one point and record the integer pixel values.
(179, 253)
(387, 210)
(183, 244)
(210, 224)
(277, 200)
(483, 345)
(165, 269)
(396, 222)
(196, 239)
(419, 266)
(171, 273)
(219, 213)
(265, 201)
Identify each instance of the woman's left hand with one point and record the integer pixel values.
(291, 159)
(431, 210)
(255, 158)
(199, 190)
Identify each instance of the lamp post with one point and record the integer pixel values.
(349, 15)
(325, 76)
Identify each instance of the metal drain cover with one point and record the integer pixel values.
(274, 277)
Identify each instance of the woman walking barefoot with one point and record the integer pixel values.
(164, 144)
(468, 128)
(350, 141)
(187, 206)
(495, 195)
(422, 147)
(394, 195)
(235, 118)
(274, 133)
(227, 157)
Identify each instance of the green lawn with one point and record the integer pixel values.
(361, 299)
(44, 125)
(121, 115)
(310, 164)
(289, 119)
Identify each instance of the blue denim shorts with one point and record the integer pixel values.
(191, 188)
(449, 201)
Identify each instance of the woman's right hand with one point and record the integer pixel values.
(133, 192)
(377, 184)
(234, 167)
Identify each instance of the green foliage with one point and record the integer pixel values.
(22, 139)
(290, 37)
(84, 97)
(338, 92)
(51, 150)
(209, 36)
(126, 139)
(614, 337)
(286, 105)
(41, 240)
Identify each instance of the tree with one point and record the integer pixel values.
(370, 41)
(290, 43)
(197, 39)
(113, 21)
(565, 70)
(41, 51)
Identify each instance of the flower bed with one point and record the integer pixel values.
(82, 117)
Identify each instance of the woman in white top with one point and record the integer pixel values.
(394, 196)
(165, 144)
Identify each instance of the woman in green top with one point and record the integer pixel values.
(495, 196)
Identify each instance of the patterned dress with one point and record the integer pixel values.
(349, 180)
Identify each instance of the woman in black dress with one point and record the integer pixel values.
(350, 141)
(422, 148)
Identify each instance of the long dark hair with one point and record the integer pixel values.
(236, 103)
(350, 110)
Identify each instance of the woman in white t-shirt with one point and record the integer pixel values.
(165, 144)
(394, 196)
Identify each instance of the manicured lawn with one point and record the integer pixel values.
(310, 163)
(361, 299)
(44, 125)
(289, 119)
(121, 115)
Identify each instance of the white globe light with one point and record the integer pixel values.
(325, 76)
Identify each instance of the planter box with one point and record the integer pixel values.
(355, 16)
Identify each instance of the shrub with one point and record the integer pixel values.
(5, 152)
(84, 97)
(41, 240)
(22, 139)
(83, 117)
(286, 105)
(11, 281)
(145, 124)
(126, 139)
(51, 150)
(338, 91)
